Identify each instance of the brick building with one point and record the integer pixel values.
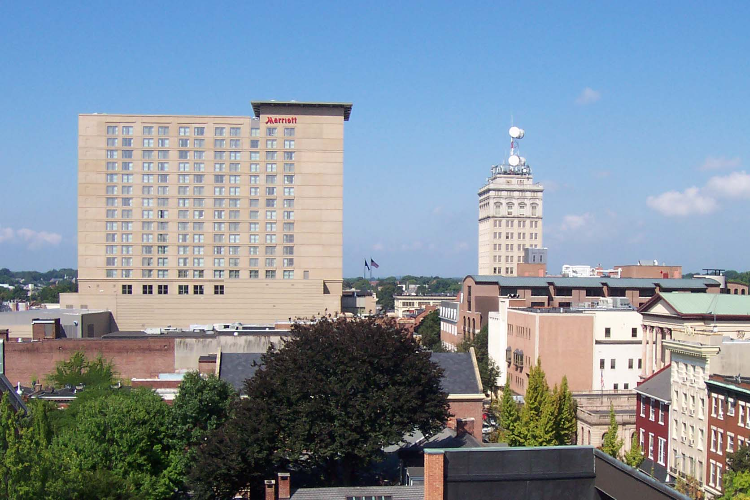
(728, 424)
(652, 421)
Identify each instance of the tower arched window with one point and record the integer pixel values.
(509, 207)
(534, 207)
(498, 209)
(522, 209)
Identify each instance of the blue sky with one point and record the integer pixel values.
(636, 116)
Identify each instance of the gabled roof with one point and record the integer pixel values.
(700, 305)
(236, 367)
(459, 376)
(658, 385)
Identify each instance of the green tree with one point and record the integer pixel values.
(612, 444)
(385, 295)
(739, 460)
(634, 457)
(565, 413)
(364, 386)
(537, 415)
(736, 485)
(202, 405)
(510, 418)
(488, 370)
(121, 437)
(79, 370)
(429, 330)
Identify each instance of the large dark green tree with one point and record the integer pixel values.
(202, 404)
(332, 397)
(77, 370)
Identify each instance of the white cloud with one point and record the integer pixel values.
(734, 185)
(720, 163)
(588, 96)
(34, 240)
(679, 204)
(377, 247)
(572, 222)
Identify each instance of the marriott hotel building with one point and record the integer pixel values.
(206, 219)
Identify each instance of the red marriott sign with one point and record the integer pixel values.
(289, 120)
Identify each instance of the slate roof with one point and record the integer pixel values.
(396, 492)
(459, 376)
(236, 367)
(658, 386)
(699, 303)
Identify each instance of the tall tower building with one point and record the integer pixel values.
(510, 213)
(206, 219)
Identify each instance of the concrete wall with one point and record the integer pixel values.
(566, 349)
(188, 350)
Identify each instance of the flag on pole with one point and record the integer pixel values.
(368, 267)
(374, 264)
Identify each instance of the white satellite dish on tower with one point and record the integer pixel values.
(516, 133)
(514, 161)
(523, 160)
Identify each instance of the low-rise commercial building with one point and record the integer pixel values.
(652, 422)
(358, 302)
(56, 323)
(728, 424)
(593, 414)
(412, 304)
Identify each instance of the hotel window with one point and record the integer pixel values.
(270, 275)
(254, 144)
(289, 167)
(148, 130)
(148, 143)
(112, 142)
(270, 143)
(182, 289)
(288, 155)
(235, 155)
(288, 191)
(220, 143)
(184, 130)
(289, 226)
(270, 179)
(288, 215)
(112, 130)
(271, 131)
(199, 131)
(255, 155)
(198, 274)
(235, 131)
(235, 143)
(197, 289)
(270, 191)
(288, 262)
(288, 179)
(218, 289)
(288, 132)
(288, 238)
(220, 131)
(127, 289)
(288, 275)
(164, 142)
(163, 130)
(127, 130)
(163, 155)
(148, 289)
(254, 132)
(162, 289)
(288, 203)
(111, 165)
(254, 274)
(219, 179)
(199, 155)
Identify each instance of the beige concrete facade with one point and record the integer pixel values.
(205, 219)
(510, 220)
(404, 304)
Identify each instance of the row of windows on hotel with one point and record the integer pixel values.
(271, 274)
(163, 166)
(270, 238)
(197, 179)
(199, 261)
(127, 213)
(163, 154)
(148, 142)
(498, 235)
(220, 131)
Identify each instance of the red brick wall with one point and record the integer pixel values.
(468, 409)
(653, 426)
(141, 358)
(434, 476)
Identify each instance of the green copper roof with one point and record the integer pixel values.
(709, 303)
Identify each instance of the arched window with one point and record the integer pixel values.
(533, 209)
(498, 209)
(509, 207)
(522, 209)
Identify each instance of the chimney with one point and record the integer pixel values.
(434, 474)
(270, 489)
(464, 426)
(285, 486)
